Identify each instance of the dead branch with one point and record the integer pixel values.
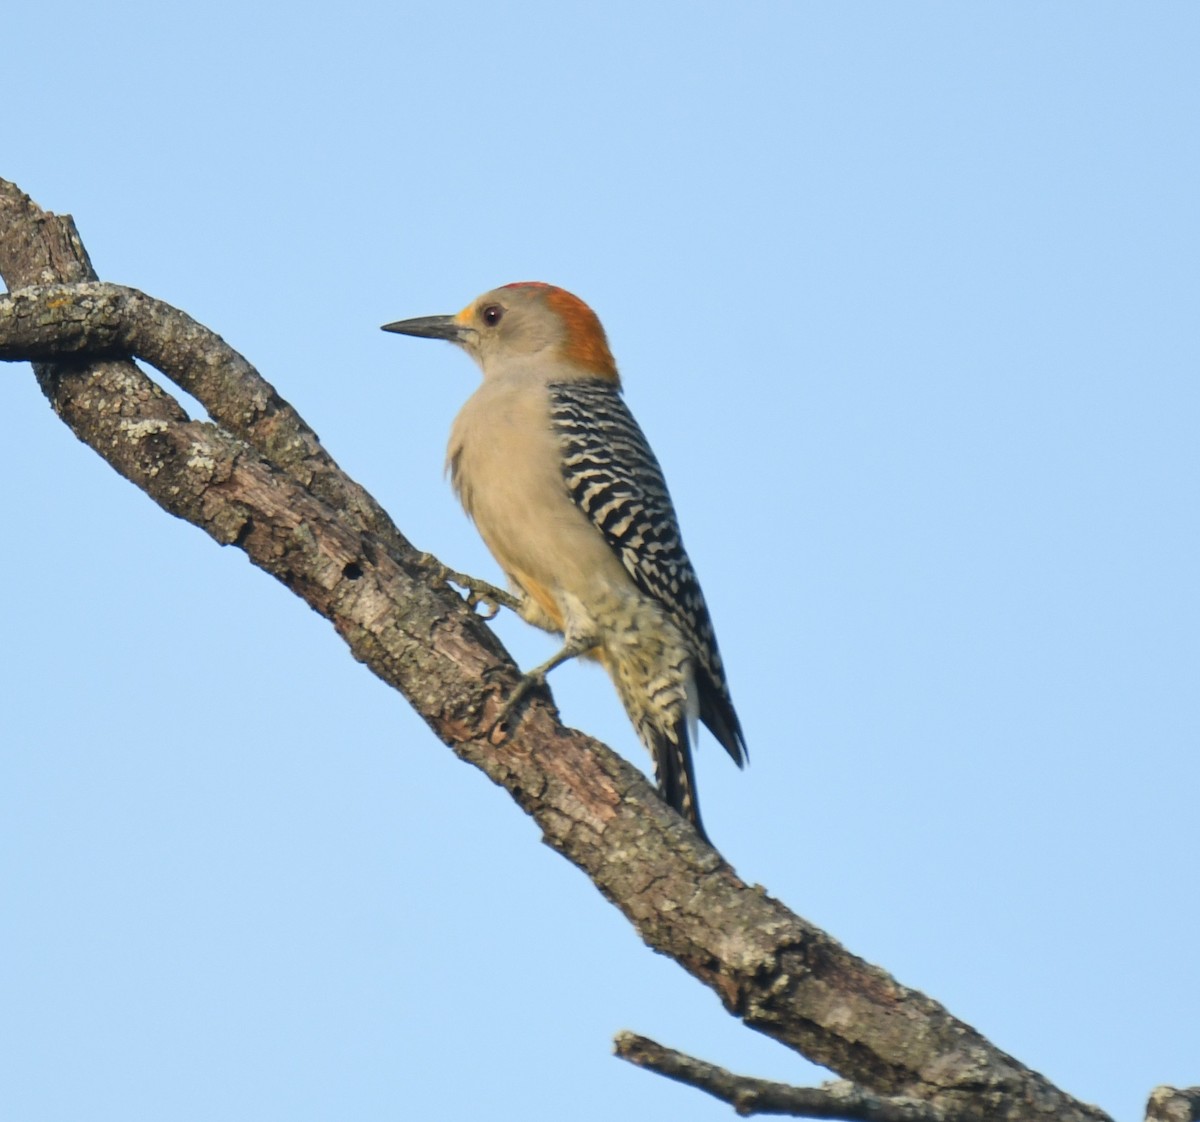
(840, 1100)
(255, 477)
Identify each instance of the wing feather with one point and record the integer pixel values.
(612, 475)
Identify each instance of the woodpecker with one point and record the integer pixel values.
(566, 493)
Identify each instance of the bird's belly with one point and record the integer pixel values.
(508, 477)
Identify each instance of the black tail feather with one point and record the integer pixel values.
(717, 713)
(676, 776)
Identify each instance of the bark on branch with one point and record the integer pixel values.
(1172, 1104)
(254, 476)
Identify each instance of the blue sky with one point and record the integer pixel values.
(905, 297)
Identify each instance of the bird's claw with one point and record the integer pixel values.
(521, 690)
(491, 606)
(478, 591)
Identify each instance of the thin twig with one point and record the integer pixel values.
(839, 1100)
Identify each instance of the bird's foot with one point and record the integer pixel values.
(535, 679)
(478, 591)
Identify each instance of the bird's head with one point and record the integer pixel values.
(524, 326)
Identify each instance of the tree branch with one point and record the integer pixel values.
(747, 1096)
(66, 321)
(258, 479)
(1171, 1104)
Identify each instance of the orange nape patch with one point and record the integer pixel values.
(586, 344)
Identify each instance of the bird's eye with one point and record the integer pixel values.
(492, 314)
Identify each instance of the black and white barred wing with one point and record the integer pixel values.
(614, 478)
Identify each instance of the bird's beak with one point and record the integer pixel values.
(430, 327)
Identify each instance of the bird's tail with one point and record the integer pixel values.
(672, 753)
(654, 672)
(657, 686)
